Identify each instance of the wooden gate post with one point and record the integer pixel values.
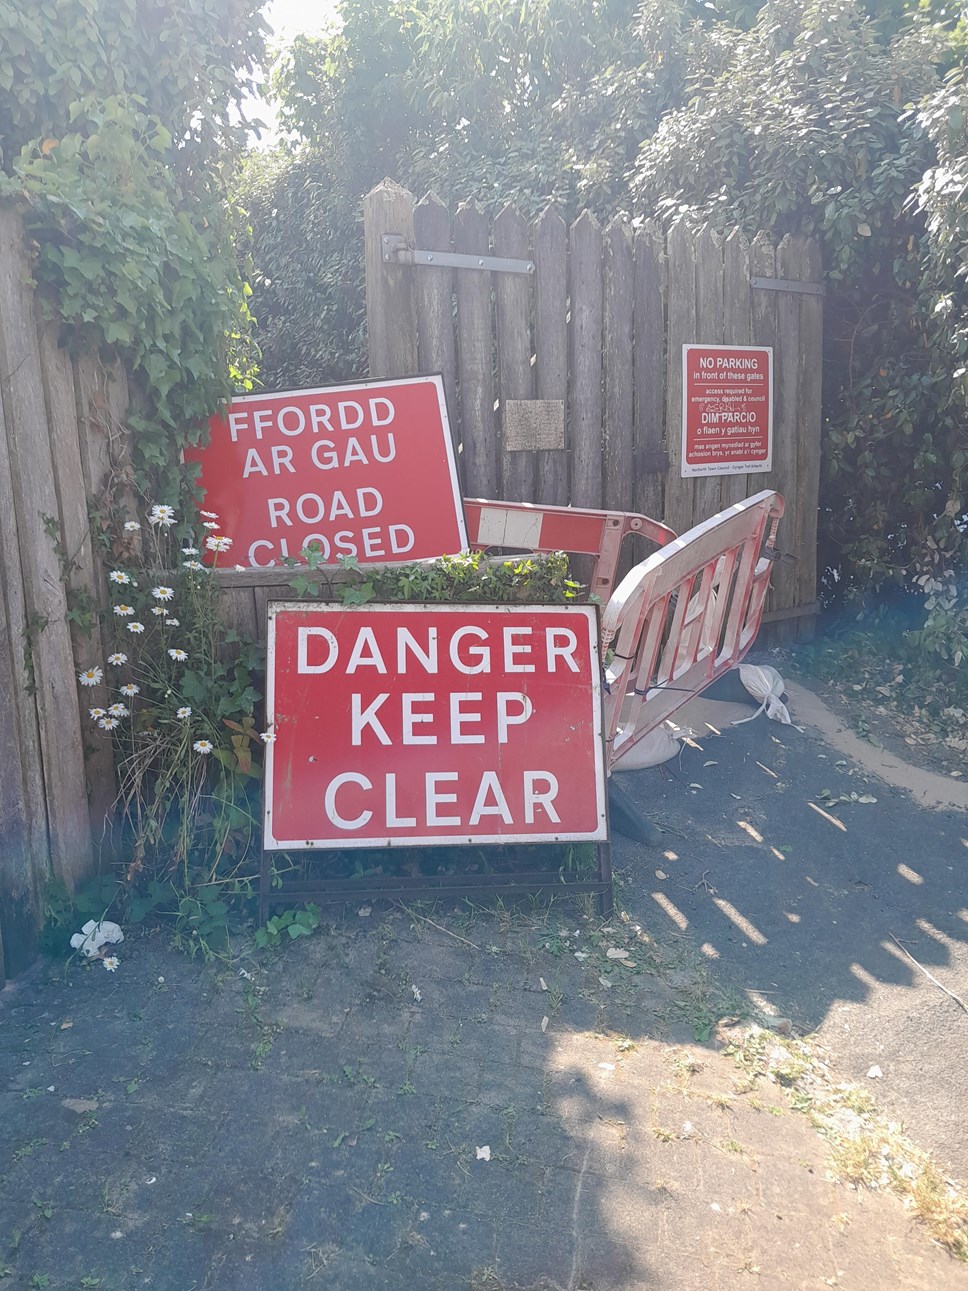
(391, 319)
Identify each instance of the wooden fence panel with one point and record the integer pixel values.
(84, 577)
(786, 423)
(680, 330)
(648, 376)
(619, 402)
(804, 539)
(513, 318)
(434, 296)
(391, 323)
(585, 361)
(35, 496)
(736, 326)
(94, 443)
(707, 495)
(24, 844)
(475, 358)
(549, 237)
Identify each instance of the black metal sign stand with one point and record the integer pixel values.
(428, 887)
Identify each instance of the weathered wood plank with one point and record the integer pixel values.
(237, 611)
(681, 330)
(434, 303)
(94, 442)
(509, 235)
(475, 358)
(390, 313)
(619, 483)
(585, 360)
(549, 238)
(35, 497)
(808, 439)
(783, 478)
(24, 847)
(649, 370)
(709, 329)
(83, 580)
(736, 331)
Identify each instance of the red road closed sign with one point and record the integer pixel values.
(727, 409)
(421, 724)
(365, 470)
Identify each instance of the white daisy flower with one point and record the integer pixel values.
(111, 963)
(118, 710)
(172, 623)
(131, 526)
(240, 569)
(137, 628)
(118, 576)
(218, 543)
(108, 723)
(97, 713)
(90, 676)
(161, 515)
(124, 610)
(211, 524)
(268, 737)
(130, 690)
(190, 551)
(203, 746)
(163, 593)
(193, 564)
(184, 713)
(158, 610)
(178, 655)
(117, 659)
(209, 515)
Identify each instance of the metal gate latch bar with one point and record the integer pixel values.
(789, 284)
(397, 251)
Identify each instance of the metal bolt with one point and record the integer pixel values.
(480, 264)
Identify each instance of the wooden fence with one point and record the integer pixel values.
(60, 442)
(565, 383)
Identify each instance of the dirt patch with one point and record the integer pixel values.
(928, 787)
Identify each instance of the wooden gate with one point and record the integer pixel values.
(565, 381)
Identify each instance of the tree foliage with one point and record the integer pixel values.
(117, 131)
(820, 116)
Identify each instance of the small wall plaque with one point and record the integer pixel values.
(531, 425)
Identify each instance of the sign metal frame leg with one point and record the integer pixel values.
(519, 884)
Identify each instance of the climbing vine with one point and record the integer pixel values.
(118, 140)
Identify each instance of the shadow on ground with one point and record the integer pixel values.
(488, 1100)
(817, 911)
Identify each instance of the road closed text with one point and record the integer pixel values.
(402, 724)
(365, 471)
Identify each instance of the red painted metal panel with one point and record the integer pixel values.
(397, 725)
(364, 470)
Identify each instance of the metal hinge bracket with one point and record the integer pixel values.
(396, 250)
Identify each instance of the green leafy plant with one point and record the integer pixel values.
(180, 716)
(117, 144)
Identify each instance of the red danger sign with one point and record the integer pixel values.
(406, 724)
(364, 470)
(727, 409)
